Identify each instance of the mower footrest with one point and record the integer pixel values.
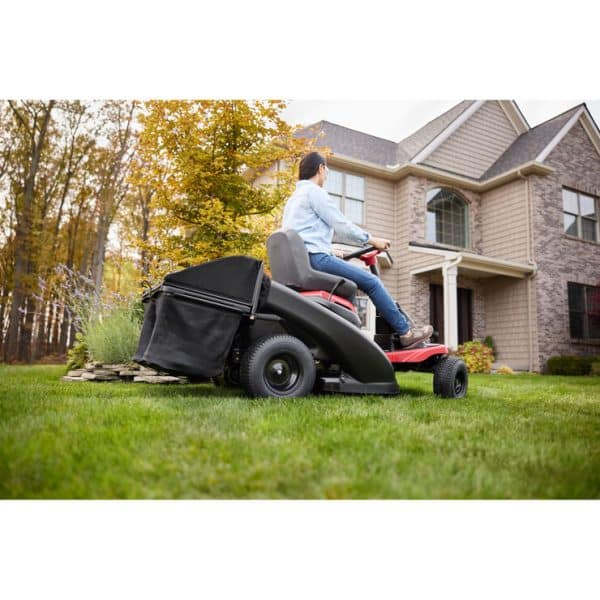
(345, 384)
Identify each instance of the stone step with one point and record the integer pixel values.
(76, 373)
(121, 367)
(157, 379)
(108, 376)
(128, 373)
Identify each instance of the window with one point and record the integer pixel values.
(580, 215)
(447, 218)
(584, 311)
(348, 192)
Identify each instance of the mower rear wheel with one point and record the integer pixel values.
(280, 366)
(450, 378)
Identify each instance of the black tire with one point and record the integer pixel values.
(450, 378)
(280, 366)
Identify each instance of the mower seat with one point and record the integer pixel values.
(291, 267)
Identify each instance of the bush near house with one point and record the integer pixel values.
(489, 342)
(477, 356)
(573, 365)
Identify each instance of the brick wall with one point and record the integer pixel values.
(559, 258)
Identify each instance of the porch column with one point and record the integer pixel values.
(450, 272)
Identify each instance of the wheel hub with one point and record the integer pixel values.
(281, 372)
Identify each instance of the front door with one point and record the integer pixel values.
(465, 313)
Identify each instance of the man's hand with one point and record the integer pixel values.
(339, 253)
(379, 243)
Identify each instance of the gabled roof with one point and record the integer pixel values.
(530, 145)
(363, 146)
(418, 140)
(530, 148)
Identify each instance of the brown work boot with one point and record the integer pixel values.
(415, 336)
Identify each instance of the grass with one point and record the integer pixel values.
(524, 436)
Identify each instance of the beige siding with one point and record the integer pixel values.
(400, 251)
(477, 143)
(506, 320)
(504, 230)
(379, 219)
(418, 140)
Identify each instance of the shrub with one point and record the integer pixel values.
(570, 365)
(113, 337)
(505, 370)
(489, 342)
(477, 356)
(77, 356)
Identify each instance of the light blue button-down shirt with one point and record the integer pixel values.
(313, 214)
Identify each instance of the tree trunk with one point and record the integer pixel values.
(3, 302)
(41, 339)
(24, 347)
(64, 331)
(100, 252)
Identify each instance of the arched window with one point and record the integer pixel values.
(447, 218)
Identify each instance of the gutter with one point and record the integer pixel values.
(397, 172)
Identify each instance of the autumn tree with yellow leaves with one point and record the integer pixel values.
(220, 172)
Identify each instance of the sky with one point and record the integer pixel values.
(396, 119)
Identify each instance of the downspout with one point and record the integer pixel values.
(531, 261)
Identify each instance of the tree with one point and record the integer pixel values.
(220, 170)
(31, 123)
(63, 174)
(112, 164)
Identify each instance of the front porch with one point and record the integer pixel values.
(503, 291)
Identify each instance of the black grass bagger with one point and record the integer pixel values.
(191, 319)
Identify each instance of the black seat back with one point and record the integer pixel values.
(291, 267)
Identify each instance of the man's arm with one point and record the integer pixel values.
(343, 227)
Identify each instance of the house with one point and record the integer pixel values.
(494, 224)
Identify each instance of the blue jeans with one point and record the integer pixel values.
(367, 282)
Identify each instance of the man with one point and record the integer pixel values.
(315, 217)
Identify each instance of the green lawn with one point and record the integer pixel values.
(523, 436)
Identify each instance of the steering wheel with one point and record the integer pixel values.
(361, 252)
(368, 255)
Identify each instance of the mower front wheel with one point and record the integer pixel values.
(450, 378)
(280, 366)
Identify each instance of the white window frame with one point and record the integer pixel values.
(467, 218)
(344, 195)
(578, 216)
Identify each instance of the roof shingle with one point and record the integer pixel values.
(529, 144)
(350, 142)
